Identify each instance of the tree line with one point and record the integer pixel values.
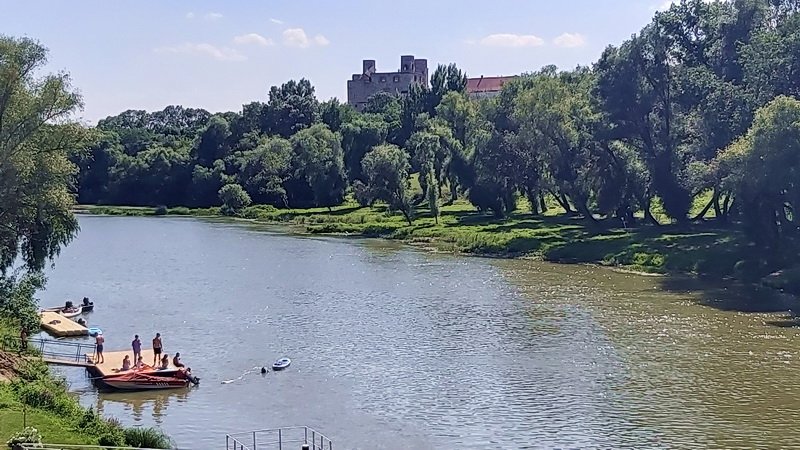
(702, 100)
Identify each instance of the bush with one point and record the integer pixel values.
(180, 211)
(113, 438)
(146, 438)
(161, 210)
(234, 199)
(29, 435)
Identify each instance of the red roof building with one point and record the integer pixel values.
(485, 87)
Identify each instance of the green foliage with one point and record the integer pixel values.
(17, 298)
(161, 210)
(146, 438)
(36, 133)
(386, 170)
(234, 199)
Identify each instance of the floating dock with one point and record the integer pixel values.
(113, 362)
(59, 326)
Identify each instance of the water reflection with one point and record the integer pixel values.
(142, 406)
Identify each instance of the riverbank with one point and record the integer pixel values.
(32, 396)
(704, 249)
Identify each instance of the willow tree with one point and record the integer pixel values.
(37, 134)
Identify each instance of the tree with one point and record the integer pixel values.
(264, 169)
(386, 169)
(212, 142)
(555, 121)
(234, 199)
(291, 108)
(446, 79)
(764, 167)
(36, 136)
(319, 162)
(358, 137)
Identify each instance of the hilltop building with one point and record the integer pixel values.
(486, 87)
(370, 81)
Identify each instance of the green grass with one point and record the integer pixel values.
(553, 236)
(36, 398)
(53, 428)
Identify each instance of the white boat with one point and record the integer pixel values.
(281, 364)
(69, 313)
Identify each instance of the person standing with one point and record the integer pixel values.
(157, 347)
(137, 347)
(23, 340)
(99, 341)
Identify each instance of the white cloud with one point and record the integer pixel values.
(512, 40)
(219, 53)
(213, 16)
(190, 15)
(279, 22)
(321, 40)
(253, 38)
(297, 37)
(570, 40)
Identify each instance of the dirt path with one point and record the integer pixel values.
(9, 363)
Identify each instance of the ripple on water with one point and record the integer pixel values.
(396, 349)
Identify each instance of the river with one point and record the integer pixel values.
(400, 349)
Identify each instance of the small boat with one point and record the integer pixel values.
(69, 313)
(281, 364)
(87, 305)
(94, 331)
(140, 381)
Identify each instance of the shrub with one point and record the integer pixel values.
(234, 198)
(180, 211)
(29, 435)
(113, 438)
(161, 210)
(146, 438)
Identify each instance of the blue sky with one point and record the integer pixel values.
(220, 55)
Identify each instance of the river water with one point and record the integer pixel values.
(399, 349)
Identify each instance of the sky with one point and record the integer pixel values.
(218, 55)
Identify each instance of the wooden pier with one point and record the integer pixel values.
(59, 326)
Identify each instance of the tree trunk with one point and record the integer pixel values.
(453, 191)
(533, 199)
(712, 202)
(562, 201)
(542, 204)
(648, 216)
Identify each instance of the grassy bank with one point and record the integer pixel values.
(557, 237)
(32, 396)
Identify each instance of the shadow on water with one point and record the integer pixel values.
(734, 296)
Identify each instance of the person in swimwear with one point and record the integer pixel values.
(176, 361)
(157, 346)
(126, 364)
(99, 340)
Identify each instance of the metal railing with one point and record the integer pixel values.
(291, 438)
(72, 447)
(77, 352)
(52, 349)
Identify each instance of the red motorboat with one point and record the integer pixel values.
(138, 381)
